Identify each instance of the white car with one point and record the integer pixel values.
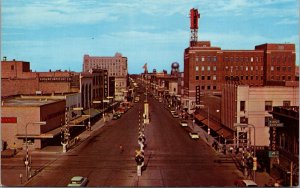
(175, 115)
(184, 124)
(245, 183)
(78, 181)
(194, 135)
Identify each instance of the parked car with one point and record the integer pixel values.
(184, 123)
(244, 183)
(175, 115)
(116, 115)
(78, 181)
(194, 135)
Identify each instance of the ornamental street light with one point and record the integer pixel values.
(27, 163)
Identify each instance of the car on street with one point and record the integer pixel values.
(245, 183)
(78, 181)
(116, 116)
(175, 115)
(194, 135)
(184, 123)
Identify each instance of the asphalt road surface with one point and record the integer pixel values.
(172, 158)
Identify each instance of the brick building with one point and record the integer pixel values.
(116, 67)
(210, 67)
(17, 78)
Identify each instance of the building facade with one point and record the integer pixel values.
(209, 67)
(244, 104)
(287, 145)
(116, 67)
(19, 116)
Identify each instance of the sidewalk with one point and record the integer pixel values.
(261, 178)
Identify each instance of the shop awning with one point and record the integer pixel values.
(212, 125)
(92, 112)
(78, 120)
(225, 133)
(49, 134)
(199, 117)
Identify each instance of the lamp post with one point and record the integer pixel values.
(27, 163)
(243, 125)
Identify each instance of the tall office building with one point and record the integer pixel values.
(116, 67)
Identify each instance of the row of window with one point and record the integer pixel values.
(268, 105)
(207, 58)
(105, 61)
(207, 68)
(208, 87)
(279, 59)
(241, 68)
(237, 78)
(242, 59)
(281, 68)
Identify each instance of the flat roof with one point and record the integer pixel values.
(27, 102)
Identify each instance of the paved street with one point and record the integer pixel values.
(172, 158)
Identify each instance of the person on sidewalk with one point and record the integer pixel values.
(121, 149)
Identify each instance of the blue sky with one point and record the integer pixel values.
(55, 34)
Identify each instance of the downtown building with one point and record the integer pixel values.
(117, 72)
(209, 68)
(39, 95)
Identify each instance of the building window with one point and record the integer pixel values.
(242, 77)
(251, 68)
(231, 59)
(208, 68)
(268, 106)
(272, 77)
(214, 87)
(246, 77)
(215, 68)
(286, 103)
(241, 67)
(226, 59)
(261, 68)
(202, 58)
(236, 68)
(237, 59)
(226, 68)
(12, 67)
(251, 77)
(203, 77)
(208, 58)
(197, 59)
(214, 58)
(283, 77)
(251, 59)
(208, 77)
(289, 77)
(246, 68)
(208, 87)
(256, 68)
(278, 68)
(202, 87)
(283, 68)
(256, 77)
(272, 68)
(197, 68)
(197, 77)
(242, 105)
(202, 68)
(289, 69)
(214, 77)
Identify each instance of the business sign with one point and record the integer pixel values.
(8, 119)
(274, 123)
(273, 153)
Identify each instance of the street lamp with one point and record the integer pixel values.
(27, 164)
(244, 125)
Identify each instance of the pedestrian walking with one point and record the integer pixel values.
(121, 148)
